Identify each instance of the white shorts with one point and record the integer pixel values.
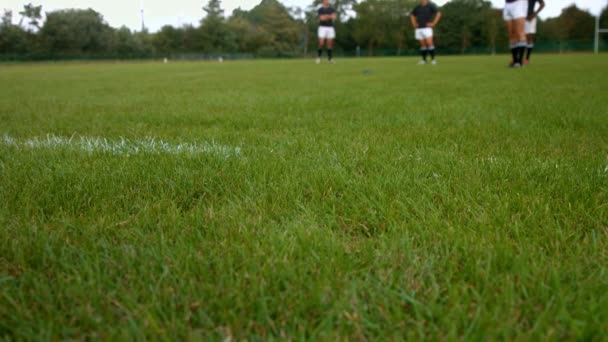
(326, 32)
(424, 33)
(531, 26)
(515, 10)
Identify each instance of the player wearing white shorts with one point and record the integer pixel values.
(530, 27)
(326, 32)
(424, 17)
(515, 14)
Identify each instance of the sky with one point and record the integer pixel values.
(181, 12)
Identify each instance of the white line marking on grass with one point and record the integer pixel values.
(148, 145)
(9, 141)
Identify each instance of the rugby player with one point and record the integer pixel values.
(530, 26)
(425, 17)
(326, 31)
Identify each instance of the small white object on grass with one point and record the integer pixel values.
(221, 60)
(165, 60)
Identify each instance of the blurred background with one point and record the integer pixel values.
(271, 29)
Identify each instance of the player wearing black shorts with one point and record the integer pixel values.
(530, 26)
(326, 32)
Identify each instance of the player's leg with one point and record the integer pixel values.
(512, 41)
(423, 50)
(520, 13)
(431, 48)
(529, 47)
(511, 15)
(530, 33)
(330, 44)
(321, 45)
(520, 33)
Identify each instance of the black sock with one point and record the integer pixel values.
(520, 54)
(514, 54)
(423, 52)
(320, 52)
(330, 54)
(432, 53)
(529, 52)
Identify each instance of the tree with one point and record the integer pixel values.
(76, 31)
(311, 22)
(126, 43)
(213, 32)
(462, 26)
(144, 41)
(169, 40)
(370, 29)
(7, 19)
(214, 10)
(399, 28)
(191, 38)
(577, 24)
(245, 36)
(13, 39)
(383, 24)
(604, 23)
(282, 32)
(573, 26)
(495, 29)
(33, 13)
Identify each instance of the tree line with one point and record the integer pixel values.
(270, 29)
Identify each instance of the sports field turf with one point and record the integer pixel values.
(370, 199)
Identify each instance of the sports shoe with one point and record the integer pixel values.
(526, 61)
(515, 65)
(422, 62)
(434, 62)
(318, 61)
(331, 61)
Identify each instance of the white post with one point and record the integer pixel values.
(597, 35)
(143, 24)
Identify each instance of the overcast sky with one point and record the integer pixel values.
(180, 12)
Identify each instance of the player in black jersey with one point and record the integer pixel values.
(515, 14)
(530, 27)
(326, 32)
(424, 17)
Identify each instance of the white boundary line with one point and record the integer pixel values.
(148, 145)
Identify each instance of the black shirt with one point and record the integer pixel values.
(425, 14)
(532, 4)
(326, 11)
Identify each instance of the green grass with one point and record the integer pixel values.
(464, 200)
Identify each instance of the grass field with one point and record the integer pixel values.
(371, 199)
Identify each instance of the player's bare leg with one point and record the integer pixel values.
(517, 40)
(512, 41)
(520, 35)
